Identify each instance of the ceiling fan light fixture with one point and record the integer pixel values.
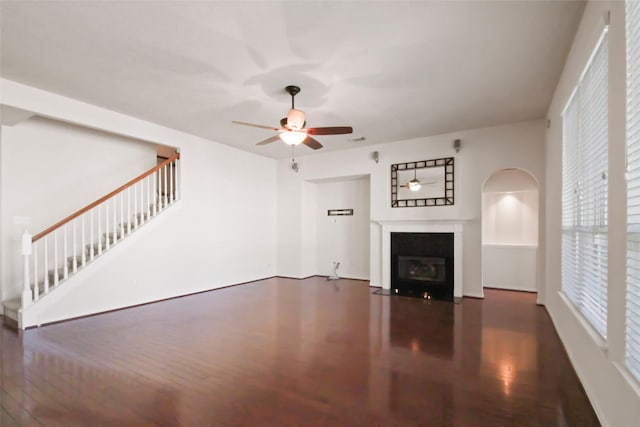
(414, 185)
(295, 119)
(293, 130)
(292, 137)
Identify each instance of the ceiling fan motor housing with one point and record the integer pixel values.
(295, 119)
(284, 122)
(293, 127)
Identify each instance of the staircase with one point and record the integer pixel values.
(68, 247)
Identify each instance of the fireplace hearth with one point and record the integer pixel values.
(422, 265)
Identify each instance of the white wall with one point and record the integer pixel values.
(510, 209)
(509, 267)
(343, 239)
(600, 367)
(51, 169)
(222, 231)
(483, 152)
(510, 218)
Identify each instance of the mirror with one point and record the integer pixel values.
(423, 183)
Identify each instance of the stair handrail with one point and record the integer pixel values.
(103, 198)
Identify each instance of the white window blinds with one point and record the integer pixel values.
(633, 187)
(584, 191)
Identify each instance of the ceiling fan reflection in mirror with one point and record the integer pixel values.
(292, 129)
(415, 184)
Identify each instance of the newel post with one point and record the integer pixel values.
(27, 298)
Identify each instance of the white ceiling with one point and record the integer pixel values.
(392, 70)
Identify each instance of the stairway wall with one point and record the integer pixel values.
(49, 170)
(222, 231)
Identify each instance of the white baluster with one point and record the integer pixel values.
(27, 297)
(83, 241)
(144, 191)
(148, 205)
(106, 219)
(135, 205)
(55, 257)
(141, 201)
(164, 199)
(159, 172)
(170, 166)
(99, 207)
(128, 224)
(115, 219)
(75, 249)
(121, 215)
(91, 250)
(36, 288)
(46, 265)
(158, 184)
(178, 170)
(156, 189)
(65, 252)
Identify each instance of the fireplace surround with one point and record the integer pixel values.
(454, 227)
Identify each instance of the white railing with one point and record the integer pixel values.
(61, 250)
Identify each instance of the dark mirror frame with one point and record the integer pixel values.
(447, 163)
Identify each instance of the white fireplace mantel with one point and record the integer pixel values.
(423, 226)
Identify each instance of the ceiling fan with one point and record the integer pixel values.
(293, 131)
(415, 184)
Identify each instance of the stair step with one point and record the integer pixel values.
(70, 260)
(52, 275)
(12, 304)
(96, 246)
(11, 308)
(51, 286)
(110, 235)
(41, 287)
(142, 216)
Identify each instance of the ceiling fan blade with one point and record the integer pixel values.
(311, 143)
(335, 130)
(269, 140)
(254, 125)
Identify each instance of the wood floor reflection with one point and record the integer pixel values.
(283, 352)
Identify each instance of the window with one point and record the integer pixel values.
(632, 353)
(584, 191)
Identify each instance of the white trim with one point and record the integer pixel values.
(510, 245)
(591, 331)
(628, 376)
(588, 387)
(586, 67)
(475, 295)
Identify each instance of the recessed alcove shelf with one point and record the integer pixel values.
(510, 230)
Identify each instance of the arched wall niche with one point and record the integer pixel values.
(510, 230)
(510, 208)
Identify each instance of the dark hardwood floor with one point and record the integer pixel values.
(284, 352)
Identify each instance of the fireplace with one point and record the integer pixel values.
(422, 265)
(424, 269)
(430, 226)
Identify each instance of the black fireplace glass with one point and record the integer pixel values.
(422, 265)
